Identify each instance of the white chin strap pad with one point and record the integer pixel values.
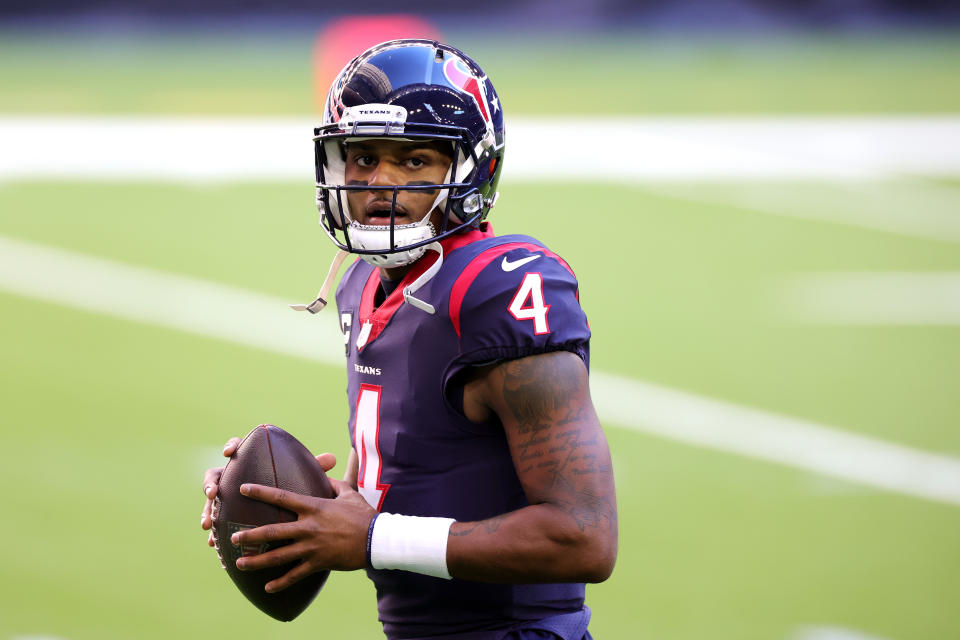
(377, 238)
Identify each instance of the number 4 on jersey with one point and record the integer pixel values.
(531, 289)
(366, 436)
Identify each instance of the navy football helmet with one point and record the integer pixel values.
(410, 90)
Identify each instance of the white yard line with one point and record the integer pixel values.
(794, 442)
(904, 207)
(830, 633)
(875, 298)
(624, 150)
(167, 300)
(256, 320)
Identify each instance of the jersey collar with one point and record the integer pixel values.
(378, 318)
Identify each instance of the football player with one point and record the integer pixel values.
(479, 492)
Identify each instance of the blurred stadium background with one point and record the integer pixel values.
(762, 202)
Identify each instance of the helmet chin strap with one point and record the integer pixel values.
(423, 279)
(369, 237)
(408, 291)
(321, 300)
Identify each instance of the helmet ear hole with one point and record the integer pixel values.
(472, 203)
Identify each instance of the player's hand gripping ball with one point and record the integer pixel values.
(269, 456)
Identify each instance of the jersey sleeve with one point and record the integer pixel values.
(519, 301)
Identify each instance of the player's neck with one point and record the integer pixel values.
(395, 273)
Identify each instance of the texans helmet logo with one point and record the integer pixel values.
(335, 106)
(460, 76)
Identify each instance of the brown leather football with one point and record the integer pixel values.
(269, 456)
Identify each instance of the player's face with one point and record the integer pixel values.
(392, 162)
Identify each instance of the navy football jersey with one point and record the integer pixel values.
(496, 298)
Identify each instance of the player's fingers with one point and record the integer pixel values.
(206, 517)
(327, 461)
(211, 479)
(272, 558)
(266, 533)
(231, 447)
(287, 499)
(340, 487)
(290, 578)
(210, 539)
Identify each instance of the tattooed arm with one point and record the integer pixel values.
(569, 531)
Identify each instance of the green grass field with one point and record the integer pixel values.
(110, 423)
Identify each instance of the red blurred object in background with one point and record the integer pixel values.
(344, 38)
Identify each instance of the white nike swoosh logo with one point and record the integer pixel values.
(506, 265)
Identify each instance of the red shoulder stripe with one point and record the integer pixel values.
(459, 290)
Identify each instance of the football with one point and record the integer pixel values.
(269, 456)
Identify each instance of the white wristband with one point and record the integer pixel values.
(410, 543)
